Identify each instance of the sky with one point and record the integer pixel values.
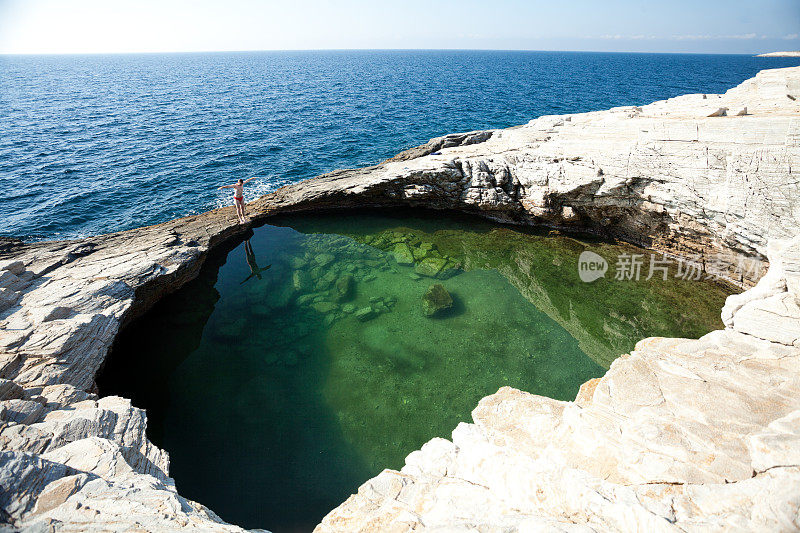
(114, 26)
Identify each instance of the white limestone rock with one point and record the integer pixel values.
(679, 434)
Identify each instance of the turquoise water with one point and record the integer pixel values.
(303, 361)
(89, 143)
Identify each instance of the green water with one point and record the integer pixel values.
(301, 363)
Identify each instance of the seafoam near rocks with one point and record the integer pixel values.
(679, 434)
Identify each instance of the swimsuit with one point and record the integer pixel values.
(239, 199)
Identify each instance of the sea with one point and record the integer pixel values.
(91, 144)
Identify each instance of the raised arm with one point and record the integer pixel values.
(225, 187)
(249, 179)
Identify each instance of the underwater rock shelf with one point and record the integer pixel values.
(678, 434)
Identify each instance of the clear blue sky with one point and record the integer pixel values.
(90, 26)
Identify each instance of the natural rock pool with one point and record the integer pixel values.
(326, 348)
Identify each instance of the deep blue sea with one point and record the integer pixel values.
(97, 143)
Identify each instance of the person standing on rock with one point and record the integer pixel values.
(238, 197)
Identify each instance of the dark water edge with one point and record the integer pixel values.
(92, 142)
(275, 407)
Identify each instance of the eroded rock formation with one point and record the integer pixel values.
(679, 433)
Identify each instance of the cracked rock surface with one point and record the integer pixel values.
(679, 434)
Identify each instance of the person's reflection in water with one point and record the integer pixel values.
(251, 262)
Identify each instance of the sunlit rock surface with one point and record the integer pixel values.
(679, 434)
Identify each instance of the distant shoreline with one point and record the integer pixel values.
(780, 54)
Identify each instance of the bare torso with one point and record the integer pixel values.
(238, 197)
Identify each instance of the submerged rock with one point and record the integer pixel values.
(305, 298)
(365, 313)
(324, 282)
(324, 307)
(432, 266)
(402, 254)
(424, 249)
(344, 288)
(448, 271)
(316, 273)
(298, 262)
(436, 300)
(324, 259)
(301, 280)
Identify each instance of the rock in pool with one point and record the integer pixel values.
(324, 259)
(436, 300)
(325, 307)
(402, 254)
(298, 262)
(343, 290)
(301, 280)
(431, 266)
(365, 313)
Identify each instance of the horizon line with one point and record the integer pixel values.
(370, 50)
